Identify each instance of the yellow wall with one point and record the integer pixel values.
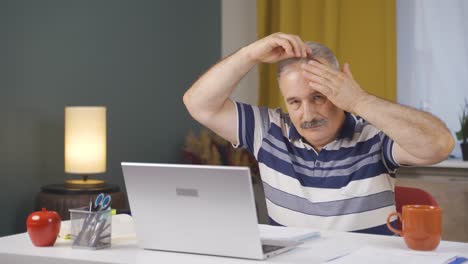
(361, 32)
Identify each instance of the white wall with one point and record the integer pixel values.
(239, 28)
(432, 60)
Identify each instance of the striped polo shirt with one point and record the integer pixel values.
(347, 186)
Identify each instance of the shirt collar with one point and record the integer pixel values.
(293, 133)
(347, 129)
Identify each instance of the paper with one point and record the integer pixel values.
(268, 232)
(123, 225)
(393, 256)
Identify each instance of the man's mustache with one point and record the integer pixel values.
(313, 123)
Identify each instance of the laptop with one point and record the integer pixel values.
(197, 209)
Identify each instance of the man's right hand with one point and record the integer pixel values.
(276, 47)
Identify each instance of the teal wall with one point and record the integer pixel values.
(135, 57)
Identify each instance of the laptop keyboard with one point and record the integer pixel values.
(270, 248)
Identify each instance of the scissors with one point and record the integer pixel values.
(93, 223)
(102, 202)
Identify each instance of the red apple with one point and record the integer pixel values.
(43, 227)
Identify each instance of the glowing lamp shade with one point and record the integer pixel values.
(85, 140)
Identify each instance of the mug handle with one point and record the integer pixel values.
(394, 230)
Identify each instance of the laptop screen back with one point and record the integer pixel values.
(192, 208)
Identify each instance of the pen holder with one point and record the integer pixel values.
(90, 230)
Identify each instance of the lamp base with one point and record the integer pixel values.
(61, 189)
(84, 184)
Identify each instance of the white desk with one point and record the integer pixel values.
(18, 249)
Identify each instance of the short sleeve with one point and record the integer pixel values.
(252, 124)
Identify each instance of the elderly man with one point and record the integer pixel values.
(330, 162)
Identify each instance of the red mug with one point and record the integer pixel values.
(421, 226)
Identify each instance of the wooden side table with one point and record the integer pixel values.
(56, 197)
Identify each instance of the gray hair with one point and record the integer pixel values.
(318, 51)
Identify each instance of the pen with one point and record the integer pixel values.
(85, 225)
(99, 228)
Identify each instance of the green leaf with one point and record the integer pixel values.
(459, 135)
(462, 135)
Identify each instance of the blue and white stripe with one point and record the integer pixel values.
(347, 186)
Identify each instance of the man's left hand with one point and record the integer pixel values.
(338, 86)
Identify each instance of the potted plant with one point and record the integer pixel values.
(462, 135)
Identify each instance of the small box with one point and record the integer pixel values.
(90, 230)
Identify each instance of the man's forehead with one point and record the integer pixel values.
(294, 85)
(294, 69)
(292, 73)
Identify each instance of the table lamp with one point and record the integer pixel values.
(85, 144)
